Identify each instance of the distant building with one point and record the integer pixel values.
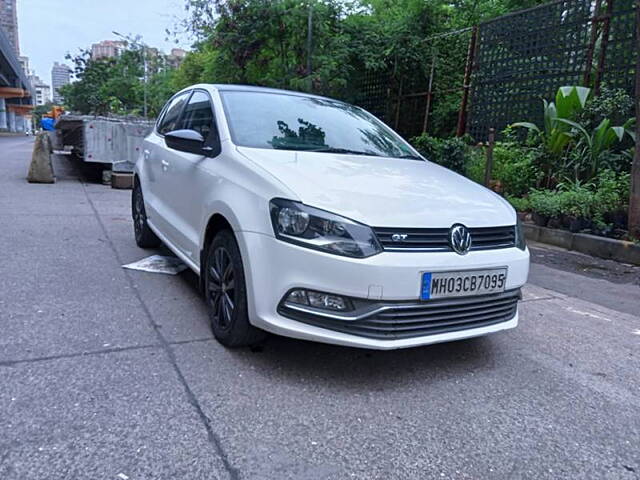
(41, 89)
(24, 63)
(60, 76)
(176, 57)
(9, 22)
(107, 49)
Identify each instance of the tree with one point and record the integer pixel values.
(264, 42)
(39, 111)
(116, 85)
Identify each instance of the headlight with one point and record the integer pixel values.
(520, 240)
(310, 227)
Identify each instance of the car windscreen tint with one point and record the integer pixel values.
(292, 122)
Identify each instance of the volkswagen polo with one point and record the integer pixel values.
(308, 217)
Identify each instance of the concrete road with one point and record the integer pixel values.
(107, 373)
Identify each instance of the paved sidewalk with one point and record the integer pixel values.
(110, 373)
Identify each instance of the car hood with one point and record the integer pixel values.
(384, 192)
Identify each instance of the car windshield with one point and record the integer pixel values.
(293, 122)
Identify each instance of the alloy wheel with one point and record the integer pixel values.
(138, 213)
(221, 287)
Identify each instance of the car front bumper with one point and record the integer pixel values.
(273, 267)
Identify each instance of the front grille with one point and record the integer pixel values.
(437, 239)
(398, 320)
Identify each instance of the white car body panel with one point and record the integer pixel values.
(384, 191)
(183, 191)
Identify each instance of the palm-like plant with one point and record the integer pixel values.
(592, 146)
(556, 132)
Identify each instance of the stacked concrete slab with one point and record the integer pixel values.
(111, 140)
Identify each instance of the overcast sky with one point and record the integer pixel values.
(51, 28)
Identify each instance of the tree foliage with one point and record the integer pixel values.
(117, 85)
(107, 85)
(265, 42)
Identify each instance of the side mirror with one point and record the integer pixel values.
(188, 141)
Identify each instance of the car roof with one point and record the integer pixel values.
(224, 87)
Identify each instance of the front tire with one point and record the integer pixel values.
(145, 238)
(226, 293)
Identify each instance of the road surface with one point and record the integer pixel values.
(107, 373)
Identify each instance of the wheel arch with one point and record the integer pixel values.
(216, 223)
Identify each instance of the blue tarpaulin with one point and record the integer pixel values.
(47, 124)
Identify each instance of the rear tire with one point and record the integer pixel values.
(145, 238)
(226, 293)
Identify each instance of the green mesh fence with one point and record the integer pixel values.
(524, 57)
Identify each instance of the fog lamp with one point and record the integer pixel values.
(324, 301)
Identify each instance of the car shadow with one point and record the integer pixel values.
(299, 360)
(352, 367)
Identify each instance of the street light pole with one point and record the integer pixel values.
(144, 56)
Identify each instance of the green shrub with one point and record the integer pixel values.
(615, 104)
(544, 202)
(611, 192)
(577, 202)
(449, 152)
(475, 165)
(520, 204)
(516, 168)
(428, 146)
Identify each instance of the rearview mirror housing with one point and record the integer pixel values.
(188, 141)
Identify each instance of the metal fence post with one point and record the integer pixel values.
(462, 115)
(398, 106)
(634, 198)
(427, 109)
(603, 46)
(489, 165)
(595, 24)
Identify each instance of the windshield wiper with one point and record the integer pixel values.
(357, 152)
(342, 150)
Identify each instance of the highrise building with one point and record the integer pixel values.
(9, 22)
(60, 76)
(41, 89)
(24, 63)
(176, 57)
(107, 49)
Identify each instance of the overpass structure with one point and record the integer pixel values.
(16, 92)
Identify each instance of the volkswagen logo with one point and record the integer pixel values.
(460, 239)
(399, 237)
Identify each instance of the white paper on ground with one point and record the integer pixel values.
(158, 264)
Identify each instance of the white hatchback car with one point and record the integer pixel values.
(308, 217)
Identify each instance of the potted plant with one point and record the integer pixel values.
(544, 206)
(577, 205)
(521, 206)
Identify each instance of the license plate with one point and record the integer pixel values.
(462, 284)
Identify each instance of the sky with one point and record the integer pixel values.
(49, 29)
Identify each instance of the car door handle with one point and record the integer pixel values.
(147, 154)
(165, 165)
